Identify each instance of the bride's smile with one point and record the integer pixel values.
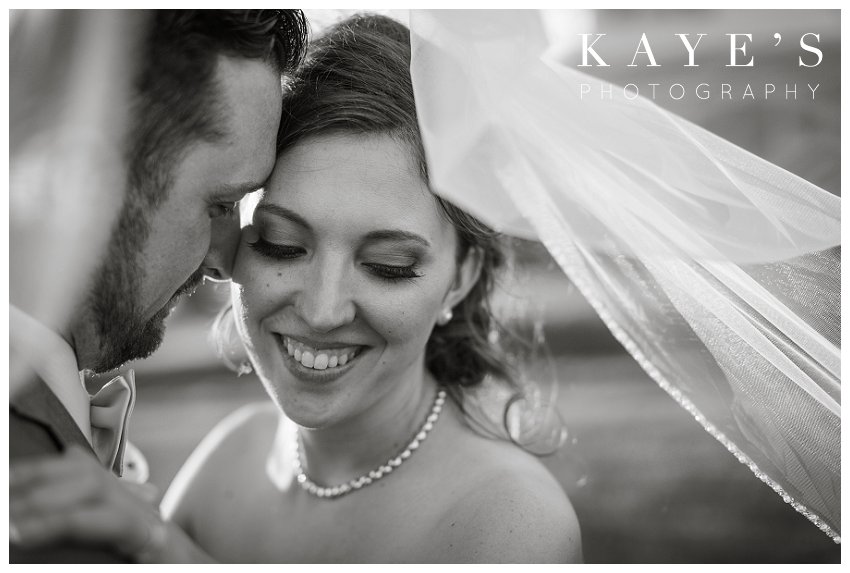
(318, 361)
(319, 355)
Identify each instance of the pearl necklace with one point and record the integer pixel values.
(366, 479)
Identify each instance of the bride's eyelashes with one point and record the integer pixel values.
(274, 251)
(389, 273)
(393, 273)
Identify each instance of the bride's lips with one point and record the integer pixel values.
(317, 362)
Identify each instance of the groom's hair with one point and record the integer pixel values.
(177, 101)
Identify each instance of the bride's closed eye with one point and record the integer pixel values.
(379, 270)
(393, 272)
(390, 264)
(275, 251)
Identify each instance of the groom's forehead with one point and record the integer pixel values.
(248, 93)
(241, 159)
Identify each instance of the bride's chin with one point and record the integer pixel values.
(308, 411)
(308, 405)
(310, 420)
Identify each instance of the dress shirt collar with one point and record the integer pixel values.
(52, 358)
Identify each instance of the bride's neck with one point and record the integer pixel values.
(353, 447)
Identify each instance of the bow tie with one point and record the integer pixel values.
(110, 410)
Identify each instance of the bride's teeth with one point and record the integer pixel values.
(321, 362)
(307, 359)
(317, 360)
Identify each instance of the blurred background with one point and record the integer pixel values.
(648, 483)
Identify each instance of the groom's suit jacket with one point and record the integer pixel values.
(39, 424)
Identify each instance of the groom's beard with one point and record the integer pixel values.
(123, 332)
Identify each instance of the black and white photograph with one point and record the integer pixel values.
(438, 286)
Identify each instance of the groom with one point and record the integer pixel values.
(204, 123)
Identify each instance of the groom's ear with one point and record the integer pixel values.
(467, 274)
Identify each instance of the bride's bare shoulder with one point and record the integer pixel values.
(508, 508)
(228, 447)
(228, 439)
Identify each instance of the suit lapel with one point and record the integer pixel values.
(37, 402)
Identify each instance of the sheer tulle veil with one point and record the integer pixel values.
(718, 271)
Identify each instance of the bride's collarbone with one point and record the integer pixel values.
(405, 506)
(378, 523)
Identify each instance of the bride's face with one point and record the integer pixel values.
(342, 275)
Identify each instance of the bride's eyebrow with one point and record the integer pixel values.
(396, 235)
(284, 213)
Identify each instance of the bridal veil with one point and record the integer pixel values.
(718, 271)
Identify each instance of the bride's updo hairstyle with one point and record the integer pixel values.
(356, 80)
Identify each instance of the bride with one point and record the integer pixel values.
(362, 300)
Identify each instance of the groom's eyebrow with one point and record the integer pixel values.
(233, 189)
(284, 213)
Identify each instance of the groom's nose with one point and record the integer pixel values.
(224, 241)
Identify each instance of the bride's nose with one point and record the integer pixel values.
(326, 299)
(224, 242)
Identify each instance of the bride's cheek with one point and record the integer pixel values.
(247, 307)
(405, 318)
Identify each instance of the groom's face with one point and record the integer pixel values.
(159, 252)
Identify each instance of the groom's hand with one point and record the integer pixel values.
(73, 498)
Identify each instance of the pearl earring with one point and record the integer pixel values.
(445, 317)
(244, 367)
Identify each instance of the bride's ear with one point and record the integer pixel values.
(467, 274)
